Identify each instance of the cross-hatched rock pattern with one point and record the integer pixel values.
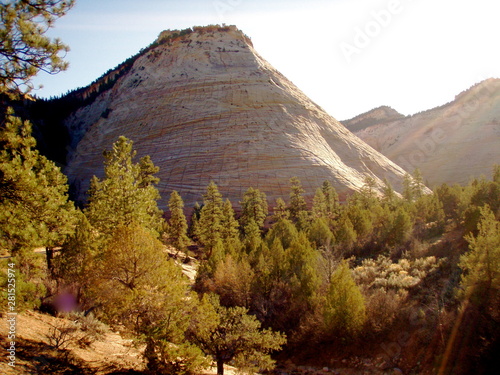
(206, 107)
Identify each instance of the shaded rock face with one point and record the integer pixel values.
(207, 107)
(449, 144)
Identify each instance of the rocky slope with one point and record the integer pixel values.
(449, 144)
(205, 106)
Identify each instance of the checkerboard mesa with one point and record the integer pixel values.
(207, 107)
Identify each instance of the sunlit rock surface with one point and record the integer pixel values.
(206, 106)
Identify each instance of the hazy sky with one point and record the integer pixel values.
(349, 56)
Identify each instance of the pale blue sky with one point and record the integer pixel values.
(349, 56)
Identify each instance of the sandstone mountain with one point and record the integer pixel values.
(205, 106)
(449, 144)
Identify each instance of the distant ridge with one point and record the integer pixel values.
(451, 143)
(375, 116)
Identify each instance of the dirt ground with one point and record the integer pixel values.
(113, 354)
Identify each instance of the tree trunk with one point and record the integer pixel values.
(220, 367)
(50, 255)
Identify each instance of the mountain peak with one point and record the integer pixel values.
(207, 107)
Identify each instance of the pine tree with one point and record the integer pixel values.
(331, 199)
(389, 196)
(344, 234)
(418, 186)
(297, 201)
(253, 207)
(320, 234)
(230, 334)
(209, 226)
(177, 224)
(302, 260)
(76, 263)
(319, 207)
(34, 206)
(26, 49)
(280, 211)
(408, 192)
(229, 225)
(126, 194)
(134, 277)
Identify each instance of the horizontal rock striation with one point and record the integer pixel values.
(205, 106)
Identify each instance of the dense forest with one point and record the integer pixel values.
(411, 277)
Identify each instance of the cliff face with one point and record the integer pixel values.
(449, 144)
(206, 106)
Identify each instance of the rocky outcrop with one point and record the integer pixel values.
(449, 144)
(205, 106)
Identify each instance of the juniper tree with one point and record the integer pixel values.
(126, 194)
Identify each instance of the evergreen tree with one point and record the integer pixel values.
(253, 207)
(389, 197)
(320, 234)
(252, 238)
(229, 225)
(344, 233)
(26, 49)
(284, 231)
(177, 224)
(126, 194)
(280, 211)
(360, 217)
(481, 265)
(408, 192)
(297, 201)
(418, 186)
(230, 334)
(34, 206)
(133, 277)
(76, 263)
(319, 207)
(344, 311)
(195, 217)
(331, 199)
(302, 260)
(233, 282)
(209, 226)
